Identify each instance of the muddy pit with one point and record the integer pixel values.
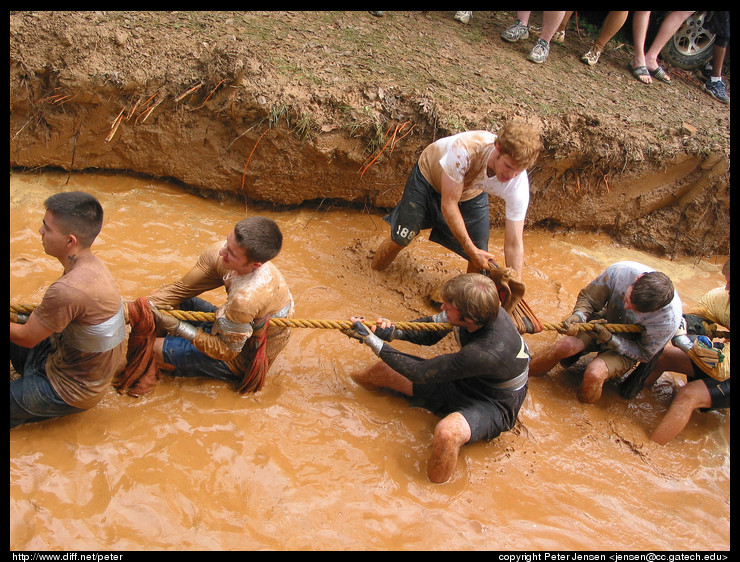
(315, 119)
(314, 462)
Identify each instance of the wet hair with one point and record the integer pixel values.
(260, 237)
(521, 141)
(474, 295)
(78, 213)
(652, 291)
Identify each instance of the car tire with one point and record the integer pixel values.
(691, 46)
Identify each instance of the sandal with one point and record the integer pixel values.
(660, 74)
(640, 72)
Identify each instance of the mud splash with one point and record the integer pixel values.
(314, 462)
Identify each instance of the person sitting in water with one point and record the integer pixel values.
(70, 347)
(625, 293)
(240, 345)
(707, 368)
(477, 390)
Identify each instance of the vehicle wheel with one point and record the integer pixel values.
(692, 45)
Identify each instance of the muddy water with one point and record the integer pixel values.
(315, 462)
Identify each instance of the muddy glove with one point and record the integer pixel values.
(360, 332)
(18, 318)
(706, 357)
(602, 335)
(568, 329)
(173, 326)
(387, 334)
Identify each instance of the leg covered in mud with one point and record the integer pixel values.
(451, 433)
(543, 361)
(690, 397)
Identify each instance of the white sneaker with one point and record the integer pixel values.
(463, 17)
(515, 32)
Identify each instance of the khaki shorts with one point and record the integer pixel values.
(616, 364)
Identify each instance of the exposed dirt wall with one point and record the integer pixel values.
(295, 107)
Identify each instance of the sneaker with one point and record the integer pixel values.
(717, 89)
(592, 57)
(515, 32)
(463, 17)
(558, 38)
(540, 52)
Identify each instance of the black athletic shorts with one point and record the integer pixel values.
(487, 418)
(421, 208)
(718, 390)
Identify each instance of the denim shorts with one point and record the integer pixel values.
(32, 397)
(420, 208)
(189, 361)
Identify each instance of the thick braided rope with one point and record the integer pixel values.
(191, 316)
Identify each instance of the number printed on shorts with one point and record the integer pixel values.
(405, 233)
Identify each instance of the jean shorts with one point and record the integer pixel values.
(32, 397)
(420, 208)
(189, 361)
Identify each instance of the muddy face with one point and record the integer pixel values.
(314, 461)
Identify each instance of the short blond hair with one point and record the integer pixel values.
(521, 141)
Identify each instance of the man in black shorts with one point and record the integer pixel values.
(448, 191)
(477, 390)
(707, 368)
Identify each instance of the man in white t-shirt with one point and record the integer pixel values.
(448, 191)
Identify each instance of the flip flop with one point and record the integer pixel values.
(660, 74)
(638, 72)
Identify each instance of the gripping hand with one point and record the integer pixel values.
(360, 332)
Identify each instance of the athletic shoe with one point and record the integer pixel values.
(717, 89)
(463, 17)
(515, 32)
(540, 52)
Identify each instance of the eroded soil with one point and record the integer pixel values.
(308, 107)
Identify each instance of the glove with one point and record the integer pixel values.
(173, 326)
(599, 331)
(706, 357)
(567, 325)
(360, 332)
(386, 334)
(167, 322)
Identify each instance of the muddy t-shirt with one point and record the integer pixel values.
(714, 307)
(249, 299)
(604, 298)
(85, 295)
(464, 158)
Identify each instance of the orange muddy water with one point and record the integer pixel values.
(314, 462)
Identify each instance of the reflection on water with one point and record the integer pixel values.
(315, 462)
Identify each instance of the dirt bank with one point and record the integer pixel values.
(296, 107)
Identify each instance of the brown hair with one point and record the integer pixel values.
(260, 237)
(474, 295)
(652, 291)
(78, 213)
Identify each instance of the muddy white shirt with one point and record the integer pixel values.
(250, 300)
(604, 298)
(464, 158)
